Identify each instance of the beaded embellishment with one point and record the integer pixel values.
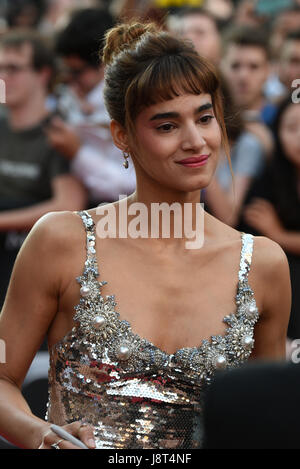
(108, 335)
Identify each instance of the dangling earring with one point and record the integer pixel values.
(125, 163)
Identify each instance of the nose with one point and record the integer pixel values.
(193, 138)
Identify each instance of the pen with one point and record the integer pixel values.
(67, 436)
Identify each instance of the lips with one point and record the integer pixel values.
(194, 159)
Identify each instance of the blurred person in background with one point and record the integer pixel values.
(131, 8)
(84, 138)
(225, 194)
(58, 13)
(284, 45)
(223, 10)
(201, 27)
(25, 13)
(34, 177)
(289, 62)
(262, 13)
(283, 23)
(246, 14)
(272, 205)
(246, 66)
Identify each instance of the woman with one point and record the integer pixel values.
(136, 371)
(272, 206)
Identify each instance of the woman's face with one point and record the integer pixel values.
(289, 133)
(167, 133)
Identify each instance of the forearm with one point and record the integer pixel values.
(221, 204)
(25, 218)
(288, 240)
(17, 423)
(103, 176)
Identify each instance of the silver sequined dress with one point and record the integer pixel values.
(134, 394)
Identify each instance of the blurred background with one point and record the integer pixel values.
(56, 152)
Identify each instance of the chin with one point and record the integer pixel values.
(195, 185)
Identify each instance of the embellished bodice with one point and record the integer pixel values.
(132, 392)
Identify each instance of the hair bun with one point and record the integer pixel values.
(124, 36)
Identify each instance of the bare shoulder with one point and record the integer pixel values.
(272, 267)
(57, 229)
(51, 250)
(269, 256)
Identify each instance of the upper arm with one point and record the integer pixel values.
(32, 297)
(69, 192)
(271, 329)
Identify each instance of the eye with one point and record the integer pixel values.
(206, 119)
(166, 127)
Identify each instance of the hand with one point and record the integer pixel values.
(81, 431)
(263, 217)
(63, 137)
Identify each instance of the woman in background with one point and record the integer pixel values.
(272, 205)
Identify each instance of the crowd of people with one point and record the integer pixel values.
(57, 151)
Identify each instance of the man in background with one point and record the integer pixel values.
(289, 60)
(200, 27)
(85, 138)
(34, 177)
(246, 67)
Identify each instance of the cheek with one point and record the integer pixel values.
(20, 88)
(262, 76)
(214, 136)
(156, 146)
(31, 83)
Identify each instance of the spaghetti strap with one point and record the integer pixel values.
(89, 286)
(246, 257)
(91, 258)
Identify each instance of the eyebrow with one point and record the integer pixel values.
(167, 115)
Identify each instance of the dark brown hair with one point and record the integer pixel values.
(247, 36)
(145, 65)
(42, 51)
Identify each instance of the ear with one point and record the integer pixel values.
(119, 135)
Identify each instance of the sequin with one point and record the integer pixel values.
(134, 394)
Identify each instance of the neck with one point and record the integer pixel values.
(28, 114)
(164, 196)
(169, 217)
(256, 105)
